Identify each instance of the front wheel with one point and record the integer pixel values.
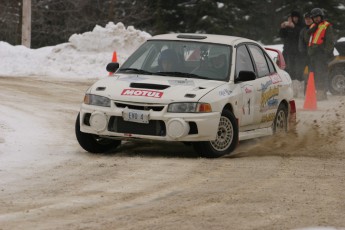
(94, 143)
(226, 139)
(337, 81)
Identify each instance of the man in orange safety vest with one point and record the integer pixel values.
(320, 50)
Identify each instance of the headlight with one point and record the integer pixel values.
(189, 107)
(91, 99)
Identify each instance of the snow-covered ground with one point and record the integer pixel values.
(85, 56)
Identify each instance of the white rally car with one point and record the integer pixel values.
(208, 90)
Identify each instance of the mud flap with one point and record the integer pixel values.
(292, 122)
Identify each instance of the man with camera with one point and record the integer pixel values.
(289, 33)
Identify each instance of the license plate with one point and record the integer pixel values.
(135, 116)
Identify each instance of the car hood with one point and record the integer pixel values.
(153, 89)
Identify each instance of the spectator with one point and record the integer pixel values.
(303, 48)
(289, 32)
(320, 50)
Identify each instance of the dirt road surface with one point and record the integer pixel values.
(49, 182)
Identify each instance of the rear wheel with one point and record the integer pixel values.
(337, 81)
(226, 139)
(280, 123)
(94, 143)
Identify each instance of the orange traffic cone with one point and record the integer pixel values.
(114, 59)
(310, 94)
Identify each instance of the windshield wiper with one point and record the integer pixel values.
(140, 71)
(180, 74)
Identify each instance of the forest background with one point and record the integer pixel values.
(54, 21)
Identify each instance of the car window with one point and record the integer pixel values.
(260, 60)
(138, 64)
(141, 57)
(243, 60)
(182, 59)
(270, 64)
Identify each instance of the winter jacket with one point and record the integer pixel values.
(303, 41)
(326, 47)
(290, 37)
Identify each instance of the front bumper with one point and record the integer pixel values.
(108, 122)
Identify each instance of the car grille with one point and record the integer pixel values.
(153, 128)
(140, 107)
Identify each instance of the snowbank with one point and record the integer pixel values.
(84, 56)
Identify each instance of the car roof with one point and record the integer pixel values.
(207, 38)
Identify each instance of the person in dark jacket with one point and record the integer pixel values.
(167, 61)
(303, 49)
(289, 32)
(320, 50)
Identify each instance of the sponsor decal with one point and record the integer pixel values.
(272, 102)
(247, 88)
(248, 104)
(132, 78)
(275, 78)
(225, 92)
(268, 100)
(248, 107)
(265, 86)
(268, 117)
(182, 82)
(142, 93)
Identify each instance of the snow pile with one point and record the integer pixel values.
(85, 55)
(19, 60)
(108, 38)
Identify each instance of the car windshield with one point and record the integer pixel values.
(184, 59)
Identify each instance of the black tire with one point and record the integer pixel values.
(94, 143)
(337, 81)
(226, 140)
(280, 123)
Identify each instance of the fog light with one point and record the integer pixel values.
(177, 128)
(98, 121)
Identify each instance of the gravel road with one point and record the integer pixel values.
(49, 182)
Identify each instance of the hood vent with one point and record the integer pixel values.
(189, 95)
(148, 86)
(101, 88)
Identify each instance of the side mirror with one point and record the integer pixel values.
(279, 59)
(112, 67)
(245, 76)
